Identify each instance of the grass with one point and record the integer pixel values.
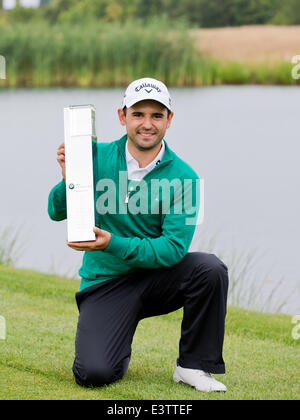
(37, 355)
(106, 55)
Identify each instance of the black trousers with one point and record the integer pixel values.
(110, 312)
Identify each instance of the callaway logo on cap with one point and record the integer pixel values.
(143, 89)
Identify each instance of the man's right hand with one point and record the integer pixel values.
(61, 159)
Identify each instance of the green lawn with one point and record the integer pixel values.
(263, 360)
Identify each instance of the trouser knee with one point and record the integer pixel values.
(211, 269)
(93, 377)
(219, 271)
(100, 374)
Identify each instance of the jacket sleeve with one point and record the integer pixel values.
(166, 250)
(57, 202)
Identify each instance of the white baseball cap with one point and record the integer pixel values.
(147, 88)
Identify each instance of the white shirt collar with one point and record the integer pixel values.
(133, 165)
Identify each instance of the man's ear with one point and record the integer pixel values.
(122, 117)
(170, 117)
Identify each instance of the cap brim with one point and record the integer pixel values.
(128, 102)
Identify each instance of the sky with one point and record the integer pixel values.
(10, 4)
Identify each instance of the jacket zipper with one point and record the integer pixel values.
(126, 201)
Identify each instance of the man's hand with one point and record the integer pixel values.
(61, 159)
(101, 242)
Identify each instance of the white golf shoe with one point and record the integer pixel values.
(198, 379)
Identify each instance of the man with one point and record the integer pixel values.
(139, 265)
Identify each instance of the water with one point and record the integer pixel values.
(243, 141)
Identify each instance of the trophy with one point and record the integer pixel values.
(80, 141)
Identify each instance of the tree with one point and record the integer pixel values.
(147, 9)
(215, 13)
(288, 13)
(44, 2)
(204, 13)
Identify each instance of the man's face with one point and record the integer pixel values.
(146, 123)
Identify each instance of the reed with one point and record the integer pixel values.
(97, 55)
(12, 246)
(258, 73)
(108, 55)
(249, 287)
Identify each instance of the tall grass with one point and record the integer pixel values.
(107, 55)
(263, 73)
(57, 267)
(12, 245)
(249, 287)
(97, 54)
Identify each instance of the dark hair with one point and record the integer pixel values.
(169, 112)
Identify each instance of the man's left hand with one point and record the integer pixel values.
(101, 242)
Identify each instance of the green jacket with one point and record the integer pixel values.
(154, 229)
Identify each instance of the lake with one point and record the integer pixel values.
(242, 140)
